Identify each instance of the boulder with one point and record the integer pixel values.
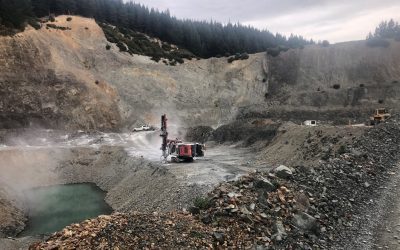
(279, 231)
(283, 172)
(305, 222)
(265, 184)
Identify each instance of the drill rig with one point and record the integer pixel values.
(179, 151)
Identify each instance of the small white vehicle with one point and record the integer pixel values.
(311, 123)
(142, 128)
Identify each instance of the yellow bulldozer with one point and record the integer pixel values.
(380, 115)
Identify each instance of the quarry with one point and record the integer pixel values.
(267, 179)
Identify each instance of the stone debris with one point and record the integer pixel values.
(133, 231)
(308, 208)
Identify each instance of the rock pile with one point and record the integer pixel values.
(132, 231)
(300, 208)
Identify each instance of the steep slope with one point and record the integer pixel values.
(45, 80)
(60, 69)
(68, 79)
(346, 80)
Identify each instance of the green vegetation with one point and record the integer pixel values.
(14, 16)
(238, 56)
(201, 38)
(34, 23)
(342, 149)
(385, 30)
(274, 52)
(53, 26)
(69, 19)
(336, 86)
(108, 47)
(378, 42)
(138, 43)
(325, 43)
(202, 203)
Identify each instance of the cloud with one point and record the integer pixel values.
(339, 20)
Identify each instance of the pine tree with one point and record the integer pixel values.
(14, 14)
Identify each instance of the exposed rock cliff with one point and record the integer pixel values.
(68, 79)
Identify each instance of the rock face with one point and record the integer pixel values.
(342, 82)
(45, 81)
(68, 79)
(11, 217)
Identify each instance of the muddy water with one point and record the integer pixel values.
(53, 208)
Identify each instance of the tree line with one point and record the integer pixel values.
(203, 38)
(386, 29)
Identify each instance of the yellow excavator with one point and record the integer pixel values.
(380, 115)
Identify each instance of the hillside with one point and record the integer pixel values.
(68, 79)
(344, 80)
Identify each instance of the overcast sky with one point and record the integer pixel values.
(334, 20)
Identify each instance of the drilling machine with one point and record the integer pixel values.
(179, 151)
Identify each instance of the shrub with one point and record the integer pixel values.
(52, 18)
(108, 47)
(179, 60)
(395, 82)
(325, 43)
(166, 46)
(336, 86)
(244, 56)
(53, 26)
(121, 46)
(97, 82)
(378, 42)
(202, 203)
(35, 24)
(380, 101)
(231, 59)
(362, 85)
(137, 43)
(342, 149)
(86, 28)
(155, 58)
(69, 19)
(274, 52)
(264, 80)
(238, 56)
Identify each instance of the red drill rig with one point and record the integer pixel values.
(179, 151)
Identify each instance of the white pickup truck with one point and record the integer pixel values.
(142, 128)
